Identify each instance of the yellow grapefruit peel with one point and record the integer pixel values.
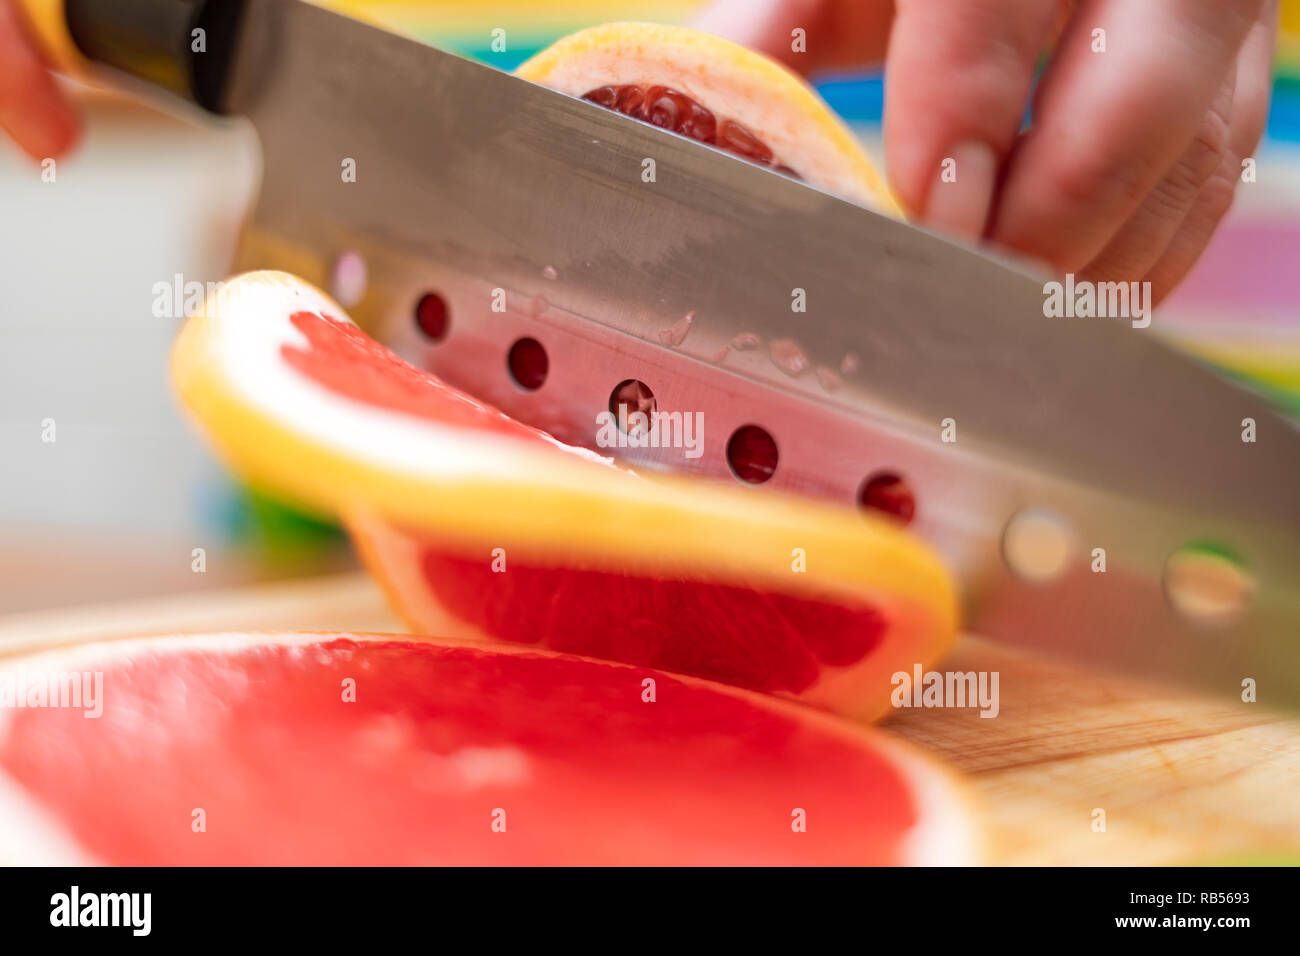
(728, 79)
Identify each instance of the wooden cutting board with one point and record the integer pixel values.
(1180, 779)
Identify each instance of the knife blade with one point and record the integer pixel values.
(916, 356)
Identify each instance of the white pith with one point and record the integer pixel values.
(250, 323)
(944, 836)
(31, 837)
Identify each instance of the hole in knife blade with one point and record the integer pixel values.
(528, 363)
(1208, 584)
(633, 406)
(752, 455)
(1037, 545)
(432, 317)
(887, 493)
(348, 279)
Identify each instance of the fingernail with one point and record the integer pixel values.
(963, 190)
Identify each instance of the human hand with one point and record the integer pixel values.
(33, 110)
(1138, 135)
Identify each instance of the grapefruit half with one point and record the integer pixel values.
(479, 526)
(268, 749)
(718, 92)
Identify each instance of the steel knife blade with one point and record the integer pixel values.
(916, 356)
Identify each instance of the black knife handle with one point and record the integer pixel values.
(186, 46)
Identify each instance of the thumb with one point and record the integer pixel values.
(33, 110)
(805, 35)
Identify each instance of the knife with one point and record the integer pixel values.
(1091, 487)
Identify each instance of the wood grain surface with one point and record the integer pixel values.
(1181, 779)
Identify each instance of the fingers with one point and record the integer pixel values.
(1141, 119)
(1249, 116)
(1147, 233)
(1109, 125)
(959, 74)
(32, 108)
(834, 32)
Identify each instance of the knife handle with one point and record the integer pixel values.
(185, 46)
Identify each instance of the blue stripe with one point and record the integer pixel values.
(860, 97)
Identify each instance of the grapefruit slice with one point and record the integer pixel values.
(716, 91)
(482, 527)
(369, 749)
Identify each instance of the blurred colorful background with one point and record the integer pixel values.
(114, 507)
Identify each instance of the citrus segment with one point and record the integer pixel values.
(365, 749)
(449, 498)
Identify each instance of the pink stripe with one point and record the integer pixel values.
(1249, 263)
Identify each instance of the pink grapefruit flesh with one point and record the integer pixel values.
(673, 110)
(251, 749)
(761, 640)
